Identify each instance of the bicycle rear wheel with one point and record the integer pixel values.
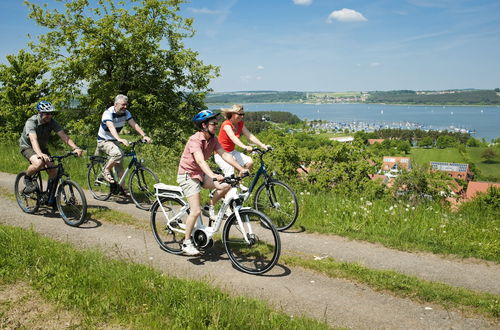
(278, 201)
(141, 187)
(71, 203)
(168, 239)
(28, 202)
(100, 188)
(260, 251)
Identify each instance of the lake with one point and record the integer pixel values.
(485, 120)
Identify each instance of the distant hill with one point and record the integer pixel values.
(255, 97)
(445, 97)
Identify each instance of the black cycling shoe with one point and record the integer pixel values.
(30, 185)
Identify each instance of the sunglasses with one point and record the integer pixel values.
(213, 124)
(240, 114)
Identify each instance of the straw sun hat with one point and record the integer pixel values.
(236, 108)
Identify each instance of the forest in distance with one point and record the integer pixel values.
(445, 97)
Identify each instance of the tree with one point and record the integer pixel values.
(445, 141)
(489, 154)
(426, 142)
(135, 48)
(472, 142)
(22, 86)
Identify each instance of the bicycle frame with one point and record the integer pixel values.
(134, 162)
(232, 197)
(60, 173)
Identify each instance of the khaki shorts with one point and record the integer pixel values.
(189, 186)
(29, 152)
(111, 149)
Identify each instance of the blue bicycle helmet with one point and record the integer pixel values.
(203, 116)
(45, 106)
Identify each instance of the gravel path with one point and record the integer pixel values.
(295, 291)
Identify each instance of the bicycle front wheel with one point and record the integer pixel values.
(255, 248)
(100, 188)
(71, 203)
(28, 202)
(141, 187)
(278, 201)
(169, 210)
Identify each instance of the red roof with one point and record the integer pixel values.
(372, 141)
(477, 187)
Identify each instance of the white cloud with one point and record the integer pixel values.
(346, 15)
(204, 11)
(302, 2)
(375, 64)
(260, 67)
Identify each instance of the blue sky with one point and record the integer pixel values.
(329, 45)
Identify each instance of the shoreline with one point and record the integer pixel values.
(367, 103)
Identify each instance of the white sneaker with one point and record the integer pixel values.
(189, 249)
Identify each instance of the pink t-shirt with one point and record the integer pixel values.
(197, 142)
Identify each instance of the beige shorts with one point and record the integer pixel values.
(111, 149)
(189, 186)
(227, 169)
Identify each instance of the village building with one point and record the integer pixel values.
(343, 139)
(373, 141)
(473, 188)
(455, 170)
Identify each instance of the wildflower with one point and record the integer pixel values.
(302, 193)
(369, 203)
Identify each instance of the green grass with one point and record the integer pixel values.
(404, 285)
(488, 169)
(424, 156)
(472, 232)
(114, 292)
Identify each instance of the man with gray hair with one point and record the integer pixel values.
(108, 138)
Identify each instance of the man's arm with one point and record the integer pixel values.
(114, 132)
(70, 142)
(36, 147)
(139, 130)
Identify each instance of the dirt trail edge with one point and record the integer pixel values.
(297, 292)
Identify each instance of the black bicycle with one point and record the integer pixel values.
(67, 195)
(141, 181)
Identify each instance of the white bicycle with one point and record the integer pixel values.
(249, 237)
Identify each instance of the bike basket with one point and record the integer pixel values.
(165, 190)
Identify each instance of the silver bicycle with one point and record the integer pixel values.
(250, 239)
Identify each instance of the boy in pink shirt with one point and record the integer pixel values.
(194, 172)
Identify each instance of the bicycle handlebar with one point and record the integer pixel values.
(232, 179)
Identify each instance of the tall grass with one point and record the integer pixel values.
(116, 292)
(471, 232)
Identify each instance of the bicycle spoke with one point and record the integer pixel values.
(256, 252)
(167, 237)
